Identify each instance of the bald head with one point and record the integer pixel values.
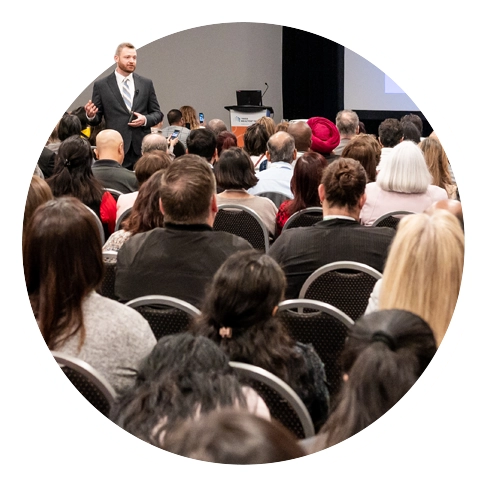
(280, 147)
(152, 142)
(217, 125)
(453, 206)
(301, 132)
(109, 145)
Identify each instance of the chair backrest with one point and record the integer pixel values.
(284, 404)
(107, 286)
(99, 224)
(304, 218)
(89, 382)
(244, 222)
(344, 284)
(114, 192)
(391, 219)
(321, 325)
(166, 315)
(275, 196)
(125, 214)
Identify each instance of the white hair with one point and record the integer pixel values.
(406, 170)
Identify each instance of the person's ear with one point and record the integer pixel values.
(96, 153)
(362, 200)
(274, 311)
(160, 206)
(321, 193)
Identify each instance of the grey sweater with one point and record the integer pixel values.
(117, 339)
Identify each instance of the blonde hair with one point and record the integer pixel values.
(189, 115)
(424, 268)
(437, 162)
(269, 124)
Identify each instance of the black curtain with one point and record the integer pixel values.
(312, 75)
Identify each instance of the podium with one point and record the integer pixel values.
(242, 116)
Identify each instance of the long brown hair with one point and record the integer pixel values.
(62, 265)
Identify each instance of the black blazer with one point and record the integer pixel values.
(108, 99)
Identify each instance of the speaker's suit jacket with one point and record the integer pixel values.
(108, 99)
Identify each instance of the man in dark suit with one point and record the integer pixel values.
(127, 102)
(340, 236)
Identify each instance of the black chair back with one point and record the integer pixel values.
(244, 222)
(391, 219)
(107, 286)
(166, 315)
(277, 198)
(114, 192)
(88, 381)
(304, 218)
(321, 325)
(284, 404)
(346, 285)
(122, 218)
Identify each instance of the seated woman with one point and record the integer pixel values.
(255, 144)
(438, 165)
(39, 192)
(234, 175)
(241, 320)
(404, 183)
(183, 377)
(235, 437)
(63, 266)
(225, 140)
(304, 186)
(144, 168)
(73, 177)
(385, 354)
(423, 270)
(146, 215)
(365, 149)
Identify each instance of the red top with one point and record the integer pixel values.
(108, 211)
(282, 216)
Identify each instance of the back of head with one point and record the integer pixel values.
(68, 125)
(39, 192)
(406, 170)
(269, 124)
(202, 142)
(217, 126)
(325, 136)
(109, 145)
(150, 162)
(62, 264)
(306, 178)
(424, 268)
(255, 139)
(72, 171)
(414, 119)
(344, 183)
(365, 149)
(390, 132)
(224, 140)
(174, 116)
(234, 170)
(154, 142)
(301, 132)
(189, 115)
(187, 190)
(410, 132)
(146, 214)
(453, 206)
(232, 436)
(281, 147)
(386, 352)
(183, 376)
(437, 161)
(347, 122)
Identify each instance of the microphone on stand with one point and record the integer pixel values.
(265, 91)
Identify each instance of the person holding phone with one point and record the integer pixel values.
(127, 102)
(176, 124)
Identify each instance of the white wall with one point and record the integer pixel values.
(204, 66)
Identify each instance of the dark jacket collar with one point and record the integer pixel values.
(192, 227)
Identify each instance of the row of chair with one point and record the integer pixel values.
(284, 404)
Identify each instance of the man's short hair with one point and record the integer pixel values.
(415, 119)
(123, 45)
(347, 122)
(301, 133)
(202, 142)
(174, 116)
(188, 186)
(218, 126)
(281, 147)
(390, 132)
(152, 142)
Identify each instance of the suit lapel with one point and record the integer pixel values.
(112, 84)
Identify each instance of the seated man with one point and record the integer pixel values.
(281, 152)
(181, 258)
(300, 251)
(176, 122)
(108, 168)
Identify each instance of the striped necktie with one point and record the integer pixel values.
(127, 98)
